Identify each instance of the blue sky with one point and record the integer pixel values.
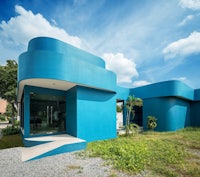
(142, 41)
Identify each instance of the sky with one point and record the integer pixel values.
(142, 41)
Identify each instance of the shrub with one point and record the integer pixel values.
(17, 123)
(152, 122)
(10, 130)
(2, 117)
(119, 108)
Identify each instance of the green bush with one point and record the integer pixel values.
(2, 117)
(10, 130)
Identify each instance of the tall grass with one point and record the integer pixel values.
(163, 154)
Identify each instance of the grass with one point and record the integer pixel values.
(74, 167)
(11, 141)
(162, 154)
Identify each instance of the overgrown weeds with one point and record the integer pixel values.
(164, 154)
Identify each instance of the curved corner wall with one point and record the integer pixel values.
(164, 89)
(49, 58)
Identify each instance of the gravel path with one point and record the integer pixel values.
(63, 165)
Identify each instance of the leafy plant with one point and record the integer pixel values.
(130, 103)
(152, 122)
(2, 117)
(17, 123)
(134, 128)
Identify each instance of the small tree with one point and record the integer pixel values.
(152, 122)
(130, 103)
(9, 112)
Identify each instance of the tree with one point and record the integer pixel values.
(130, 103)
(8, 112)
(8, 80)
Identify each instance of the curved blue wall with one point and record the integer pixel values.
(52, 59)
(162, 89)
(54, 45)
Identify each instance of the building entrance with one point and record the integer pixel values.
(47, 114)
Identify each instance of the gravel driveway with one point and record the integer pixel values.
(63, 165)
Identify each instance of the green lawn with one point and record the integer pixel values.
(160, 154)
(10, 141)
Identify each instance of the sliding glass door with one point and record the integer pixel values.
(47, 114)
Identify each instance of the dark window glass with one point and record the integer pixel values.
(47, 113)
(22, 112)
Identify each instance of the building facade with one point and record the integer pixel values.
(62, 89)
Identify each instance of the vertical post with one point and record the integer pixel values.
(47, 115)
(51, 115)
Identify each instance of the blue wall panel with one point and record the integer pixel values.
(195, 113)
(171, 113)
(96, 114)
(197, 95)
(122, 93)
(26, 112)
(71, 112)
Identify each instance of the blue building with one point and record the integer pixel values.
(65, 90)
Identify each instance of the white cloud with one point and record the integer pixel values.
(123, 67)
(190, 4)
(183, 47)
(186, 20)
(20, 29)
(140, 83)
(180, 78)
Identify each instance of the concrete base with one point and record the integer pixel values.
(51, 145)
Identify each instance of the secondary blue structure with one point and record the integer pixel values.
(173, 103)
(62, 89)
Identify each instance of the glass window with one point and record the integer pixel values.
(22, 112)
(47, 113)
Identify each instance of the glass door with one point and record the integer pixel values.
(47, 114)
